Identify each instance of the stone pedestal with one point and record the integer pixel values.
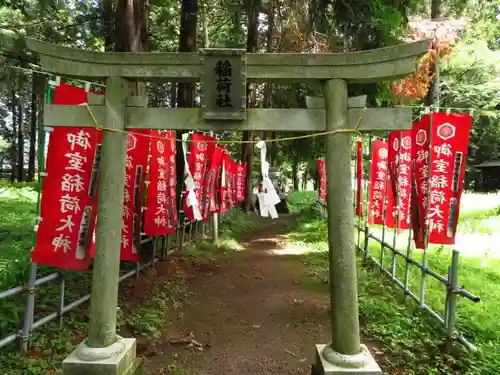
(361, 364)
(117, 359)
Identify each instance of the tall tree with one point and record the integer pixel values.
(108, 24)
(433, 93)
(33, 126)
(252, 47)
(14, 135)
(185, 90)
(187, 43)
(268, 88)
(131, 30)
(20, 138)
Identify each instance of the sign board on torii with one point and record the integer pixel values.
(225, 72)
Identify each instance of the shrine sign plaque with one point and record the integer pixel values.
(223, 83)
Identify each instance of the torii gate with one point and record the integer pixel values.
(224, 74)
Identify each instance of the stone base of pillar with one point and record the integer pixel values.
(117, 359)
(339, 364)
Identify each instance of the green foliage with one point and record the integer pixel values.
(485, 23)
(298, 201)
(411, 339)
(149, 319)
(16, 234)
(235, 223)
(470, 79)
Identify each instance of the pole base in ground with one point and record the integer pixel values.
(329, 362)
(116, 359)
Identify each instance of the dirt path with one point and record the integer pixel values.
(250, 314)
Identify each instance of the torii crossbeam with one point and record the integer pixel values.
(224, 74)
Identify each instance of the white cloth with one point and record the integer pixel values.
(191, 198)
(269, 198)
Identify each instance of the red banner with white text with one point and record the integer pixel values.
(321, 171)
(400, 177)
(380, 194)
(135, 174)
(197, 162)
(172, 178)
(359, 179)
(160, 214)
(240, 182)
(218, 178)
(231, 183)
(69, 193)
(209, 204)
(224, 188)
(439, 183)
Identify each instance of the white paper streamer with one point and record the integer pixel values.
(269, 198)
(191, 198)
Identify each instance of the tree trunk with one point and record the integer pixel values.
(107, 18)
(33, 127)
(20, 140)
(252, 46)
(187, 43)
(268, 89)
(173, 94)
(42, 79)
(432, 97)
(13, 158)
(131, 31)
(295, 174)
(185, 91)
(435, 9)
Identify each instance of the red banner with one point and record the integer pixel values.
(321, 171)
(240, 182)
(69, 194)
(359, 179)
(439, 185)
(400, 176)
(231, 182)
(172, 181)
(209, 204)
(197, 161)
(224, 182)
(161, 214)
(135, 173)
(218, 179)
(380, 194)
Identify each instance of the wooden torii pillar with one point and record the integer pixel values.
(224, 74)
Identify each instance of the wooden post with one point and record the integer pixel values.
(215, 228)
(342, 254)
(215, 217)
(105, 275)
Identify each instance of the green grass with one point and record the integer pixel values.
(18, 208)
(300, 200)
(411, 339)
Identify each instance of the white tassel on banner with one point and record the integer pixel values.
(191, 198)
(268, 198)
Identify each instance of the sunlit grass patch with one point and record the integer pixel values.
(17, 218)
